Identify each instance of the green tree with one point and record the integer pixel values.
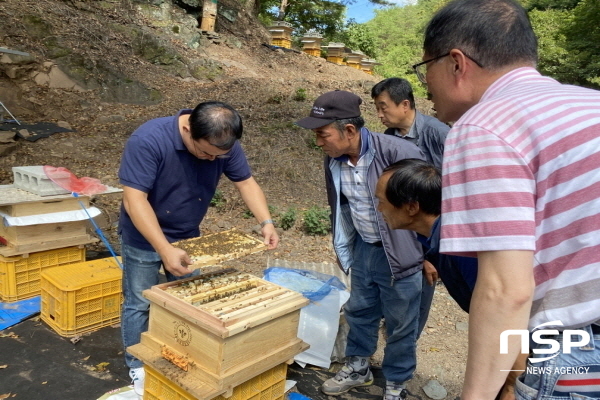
(554, 58)
(398, 37)
(549, 4)
(357, 37)
(582, 34)
(326, 16)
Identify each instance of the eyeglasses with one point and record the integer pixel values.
(421, 71)
(200, 151)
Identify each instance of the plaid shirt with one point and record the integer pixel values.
(354, 187)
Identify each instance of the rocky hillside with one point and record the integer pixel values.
(104, 67)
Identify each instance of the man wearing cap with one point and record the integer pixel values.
(385, 264)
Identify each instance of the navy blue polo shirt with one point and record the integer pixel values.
(179, 185)
(459, 274)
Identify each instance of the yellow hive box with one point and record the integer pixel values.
(281, 42)
(336, 60)
(313, 52)
(20, 275)
(82, 297)
(269, 385)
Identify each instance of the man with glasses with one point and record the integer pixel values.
(395, 104)
(169, 171)
(521, 191)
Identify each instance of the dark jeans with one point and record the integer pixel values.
(374, 294)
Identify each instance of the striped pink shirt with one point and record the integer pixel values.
(521, 171)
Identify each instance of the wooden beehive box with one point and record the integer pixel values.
(312, 41)
(218, 247)
(21, 240)
(220, 329)
(281, 30)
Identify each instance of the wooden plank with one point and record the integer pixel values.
(186, 311)
(45, 207)
(261, 305)
(33, 234)
(242, 324)
(201, 275)
(15, 250)
(222, 292)
(188, 339)
(237, 301)
(253, 343)
(10, 195)
(192, 381)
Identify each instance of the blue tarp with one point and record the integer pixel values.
(13, 313)
(313, 285)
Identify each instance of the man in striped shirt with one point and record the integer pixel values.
(521, 192)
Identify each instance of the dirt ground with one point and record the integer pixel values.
(270, 88)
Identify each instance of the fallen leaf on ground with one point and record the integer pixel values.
(102, 366)
(3, 366)
(86, 358)
(5, 396)
(9, 334)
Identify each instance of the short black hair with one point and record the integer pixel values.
(398, 89)
(216, 122)
(496, 33)
(358, 123)
(415, 181)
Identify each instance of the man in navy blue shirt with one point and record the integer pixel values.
(169, 171)
(410, 197)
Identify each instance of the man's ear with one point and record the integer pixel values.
(459, 62)
(413, 208)
(350, 131)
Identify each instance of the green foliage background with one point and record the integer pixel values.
(568, 32)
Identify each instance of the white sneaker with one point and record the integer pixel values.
(138, 375)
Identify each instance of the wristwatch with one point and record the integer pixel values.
(266, 221)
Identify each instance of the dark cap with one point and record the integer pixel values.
(331, 106)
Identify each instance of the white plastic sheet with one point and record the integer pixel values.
(50, 218)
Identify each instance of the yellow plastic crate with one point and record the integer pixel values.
(81, 297)
(20, 276)
(270, 385)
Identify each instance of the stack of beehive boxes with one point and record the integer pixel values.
(281, 34)
(367, 64)
(336, 52)
(311, 43)
(35, 244)
(43, 231)
(354, 58)
(218, 334)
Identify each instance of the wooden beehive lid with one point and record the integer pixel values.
(312, 34)
(226, 302)
(218, 247)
